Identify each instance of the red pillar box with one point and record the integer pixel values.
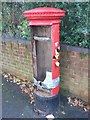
(44, 23)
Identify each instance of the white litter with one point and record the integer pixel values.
(50, 117)
(63, 112)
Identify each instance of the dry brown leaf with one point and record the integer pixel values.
(18, 83)
(75, 102)
(32, 98)
(5, 76)
(17, 80)
(32, 101)
(35, 110)
(8, 74)
(24, 90)
(10, 77)
(88, 107)
(22, 85)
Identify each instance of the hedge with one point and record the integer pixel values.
(75, 26)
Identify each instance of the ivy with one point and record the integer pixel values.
(11, 45)
(25, 31)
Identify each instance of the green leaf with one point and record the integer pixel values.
(11, 45)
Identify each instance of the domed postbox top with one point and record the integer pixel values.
(44, 13)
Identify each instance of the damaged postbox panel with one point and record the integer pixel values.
(45, 23)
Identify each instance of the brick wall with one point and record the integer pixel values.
(17, 59)
(74, 73)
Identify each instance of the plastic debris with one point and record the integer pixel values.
(48, 83)
(50, 117)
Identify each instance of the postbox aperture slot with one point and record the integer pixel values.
(39, 38)
(42, 51)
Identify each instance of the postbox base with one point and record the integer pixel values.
(47, 104)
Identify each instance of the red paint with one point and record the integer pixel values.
(55, 90)
(44, 16)
(55, 39)
(43, 22)
(44, 13)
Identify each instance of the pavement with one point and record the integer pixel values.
(16, 104)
